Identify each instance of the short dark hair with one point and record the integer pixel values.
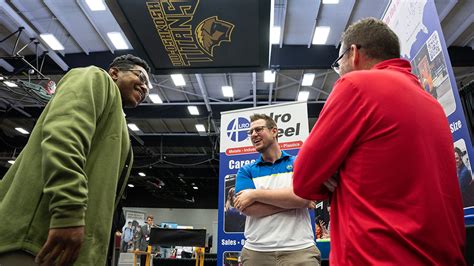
(149, 217)
(128, 60)
(376, 39)
(269, 122)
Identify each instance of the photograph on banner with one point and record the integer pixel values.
(133, 222)
(464, 171)
(232, 259)
(321, 220)
(431, 69)
(234, 221)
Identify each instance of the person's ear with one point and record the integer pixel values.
(355, 59)
(113, 72)
(275, 131)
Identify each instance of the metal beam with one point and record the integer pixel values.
(202, 87)
(6, 65)
(282, 23)
(254, 87)
(86, 13)
(66, 23)
(460, 30)
(38, 27)
(32, 33)
(311, 87)
(447, 9)
(310, 42)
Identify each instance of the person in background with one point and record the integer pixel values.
(144, 237)
(465, 178)
(278, 227)
(127, 237)
(61, 193)
(390, 141)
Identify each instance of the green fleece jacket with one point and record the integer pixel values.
(68, 172)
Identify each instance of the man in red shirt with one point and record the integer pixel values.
(397, 199)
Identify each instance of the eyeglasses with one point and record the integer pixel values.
(256, 130)
(335, 64)
(137, 72)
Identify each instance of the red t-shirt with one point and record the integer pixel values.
(398, 200)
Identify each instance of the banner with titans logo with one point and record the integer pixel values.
(236, 150)
(196, 34)
(417, 24)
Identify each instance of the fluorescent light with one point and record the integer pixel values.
(96, 5)
(308, 79)
(303, 96)
(10, 84)
(227, 91)
(133, 127)
(21, 130)
(155, 98)
(141, 174)
(193, 110)
(131, 185)
(178, 79)
(51, 41)
(117, 40)
(195, 187)
(330, 2)
(269, 76)
(275, 35)
(2, 78)
(11, 161)
(321, 35)
(200, 128)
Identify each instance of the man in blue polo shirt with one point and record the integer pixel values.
(278, 227)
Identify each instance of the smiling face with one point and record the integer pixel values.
(458, 158)
(262, 137)
(133, 84)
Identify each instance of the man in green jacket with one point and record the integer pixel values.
(58, 198)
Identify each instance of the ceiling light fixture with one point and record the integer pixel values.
(51, 41)
(11, 161)
(195, 187)
(321, 34)
(269, 76)
(275, 35)
(141, 174)
(227, 91)
(308, 79)
(117, 40)
(131, 185)
(200, 128)
(133, 127)
(303, 96)
(21, 130)
(10, 84)
(331, 2)
(178, 79)
(96, 5)
(193, 110)
(155, 98)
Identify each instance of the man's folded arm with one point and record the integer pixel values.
(283, 198)
(258, 209)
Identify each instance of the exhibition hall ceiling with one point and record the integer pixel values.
(230, 47)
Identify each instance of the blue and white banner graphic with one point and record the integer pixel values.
(236, 150)
(417, 24)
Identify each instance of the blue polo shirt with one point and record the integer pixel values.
(284, 231)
